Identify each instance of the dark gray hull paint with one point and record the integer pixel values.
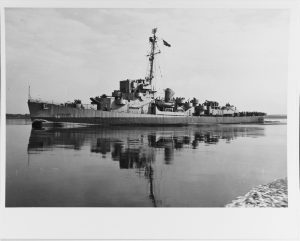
(58, 113)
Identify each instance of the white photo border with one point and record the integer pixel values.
(164, 223)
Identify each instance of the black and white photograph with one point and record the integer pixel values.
(160, 107)
(149, 120)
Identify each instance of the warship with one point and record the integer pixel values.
(136, 102)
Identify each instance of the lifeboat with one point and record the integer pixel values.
(161, 103)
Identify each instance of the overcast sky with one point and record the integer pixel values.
(238, 56)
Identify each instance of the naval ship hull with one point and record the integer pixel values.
(63, 114)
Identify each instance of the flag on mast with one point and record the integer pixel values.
(166, 43)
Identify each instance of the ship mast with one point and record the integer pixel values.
(153, 41)
(29, 96)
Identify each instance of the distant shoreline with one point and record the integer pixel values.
(276, 116)
(27, 116)
(17, 116)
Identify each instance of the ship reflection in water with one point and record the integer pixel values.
(134, 148)
(205, 166)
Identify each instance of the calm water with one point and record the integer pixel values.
(205, 166)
